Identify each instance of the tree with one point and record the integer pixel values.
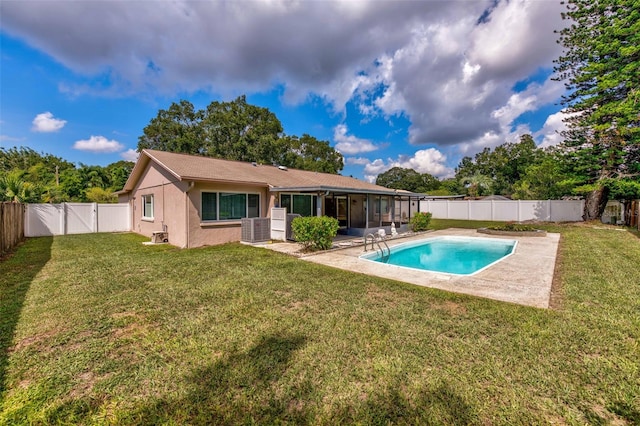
(544, 181)
(600, 65)
(25, 158)
(399, 178)
(118, 173)
(14, 189)
(28, 176)
(236, 130)
(505, 165)
(449, 186)
(177, 129)
(408, 179)
(476, 184)
(240, 131)
(309, 153)
(100, 195)
(72, 186)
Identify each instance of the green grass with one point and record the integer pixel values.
(99, 329)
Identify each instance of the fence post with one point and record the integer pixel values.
(63, 219)
(94, 216)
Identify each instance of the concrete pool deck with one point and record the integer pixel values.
(524, 278)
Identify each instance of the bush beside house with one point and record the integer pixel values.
(315, 232)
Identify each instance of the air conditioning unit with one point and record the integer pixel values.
(160, 237)
(256, 229)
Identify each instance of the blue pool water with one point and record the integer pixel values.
(452, 255)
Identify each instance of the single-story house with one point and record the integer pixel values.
(201, 200)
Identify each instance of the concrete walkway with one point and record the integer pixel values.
(524, 278)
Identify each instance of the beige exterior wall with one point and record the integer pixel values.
(177, 205)
(169, 204)
(202, 233)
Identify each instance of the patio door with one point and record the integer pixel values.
(357, 211)
(337, 207)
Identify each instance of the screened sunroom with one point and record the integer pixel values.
(358, 212)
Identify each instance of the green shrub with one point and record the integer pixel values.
(316, 232)
(420, 222)
(513, 227)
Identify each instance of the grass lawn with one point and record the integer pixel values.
(99, 329)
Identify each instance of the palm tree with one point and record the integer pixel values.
(475, 183)
(13, 188)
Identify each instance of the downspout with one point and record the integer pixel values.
(186, 211)
(164, 227)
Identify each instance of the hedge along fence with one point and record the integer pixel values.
(11, 225)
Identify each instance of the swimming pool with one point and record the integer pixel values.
(451, 255)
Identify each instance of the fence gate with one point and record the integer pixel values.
(76, 218)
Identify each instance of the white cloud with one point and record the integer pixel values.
(98, 144)
(359, 161)
(349, 144)
(448, 67)
(46, 123)
(550, 132)
(530, 99)
(428, 160)
(130, 155)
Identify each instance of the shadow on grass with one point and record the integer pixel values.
(18, 271)
(245, 388)
(439, 404)
(259, 387)
(240, 388)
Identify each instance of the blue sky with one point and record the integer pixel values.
(414, 84)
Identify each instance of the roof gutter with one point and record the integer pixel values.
(339, 189)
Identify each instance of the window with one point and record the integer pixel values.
(229, 206)
(209, 206)
(147, 206)
(253, 205)
(302, 204)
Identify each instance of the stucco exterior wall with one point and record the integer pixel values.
(169, 204)
(202, 233)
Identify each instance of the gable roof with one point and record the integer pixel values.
(207, 169)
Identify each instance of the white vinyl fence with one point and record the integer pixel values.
(76, 218)
(506, 210)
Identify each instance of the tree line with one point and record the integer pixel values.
(522, 171)
(30, 177)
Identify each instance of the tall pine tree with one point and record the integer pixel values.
(601, 69)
